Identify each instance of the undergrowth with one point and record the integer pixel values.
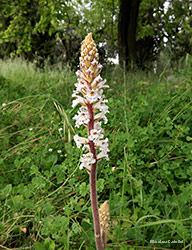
(44, 197)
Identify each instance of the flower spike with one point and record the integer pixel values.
(93, 109)
(89, 94)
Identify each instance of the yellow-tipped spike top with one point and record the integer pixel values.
(89, 58)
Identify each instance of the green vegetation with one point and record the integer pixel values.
(44, 197)
(54, 29)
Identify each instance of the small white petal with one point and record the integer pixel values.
(100, 105)
(86, 161)
(78, 100)
(92, 95)
(95, 135)
(91, 52)
(101, 115)
(102, 155)
(99, 66)
(94, 62)
(80, 140)
(82, 117)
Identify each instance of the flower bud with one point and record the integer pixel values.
(104, 217)
(89, 60)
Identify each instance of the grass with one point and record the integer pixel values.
(44, 197)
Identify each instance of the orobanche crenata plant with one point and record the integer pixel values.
(93, 109)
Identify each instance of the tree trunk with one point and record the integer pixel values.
(127, 26)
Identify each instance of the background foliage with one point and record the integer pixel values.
(53, 30)
(44, 197)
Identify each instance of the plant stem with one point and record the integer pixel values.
(104, 239)
(94, 205)
(93, 184)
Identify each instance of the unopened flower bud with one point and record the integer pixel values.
(104, 217)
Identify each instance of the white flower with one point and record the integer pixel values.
(101, 115)
(99, 83)
(100, 105)
(50, 149)
(30, 129)
(80, 75)
(82, 117)
(96, 81)
(95, 135)
(86, 161)
(97, 56)
(102, 85)
(82, 64)
(103, 154)
(60, 129)
(78, 100)
(80, 85)
(75, 93)
(97, 125)
(80, 140)
(86, 146)
(94, 62)
(3, 105)
(99, 66)
(114, 168)
(59, 151)
(102, 144)
(89, 70)
(91, 52)
(92, 95)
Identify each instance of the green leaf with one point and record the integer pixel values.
(6, 190)
(49, 244)
(48, 208)
(17, 163)
(100, 184)
(51, 160)
(188, 138)
(123, 247)
(75, 228)
(17, 199)
(83, 189)
(39, 246)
